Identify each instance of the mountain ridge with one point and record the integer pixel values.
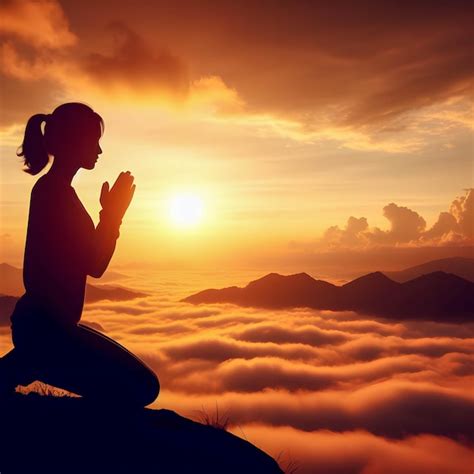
(460, 266)
(438, 295)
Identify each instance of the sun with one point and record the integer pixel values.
(185, 210)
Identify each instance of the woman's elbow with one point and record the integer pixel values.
(96, 271)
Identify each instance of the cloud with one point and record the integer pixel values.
(322, 380)
(258, 374)
(372, 347)
(323, 452)
(40, 24)
(269, 372)
(221, 350)
(391, 408)
(331, 81)
(407, 227)
(462, 209)
(173, 328)
(135, 68)
(304, 335)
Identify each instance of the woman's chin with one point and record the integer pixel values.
(90, 165)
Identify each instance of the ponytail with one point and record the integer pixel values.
(33, 148)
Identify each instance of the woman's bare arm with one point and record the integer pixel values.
(104, 241)
(114, 202)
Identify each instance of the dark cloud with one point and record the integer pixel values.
(362, 327)
(221, 350)
(303, 335)
(259, 374)
(372, 347)
(358, 63)
(391, 408)
(136, 67)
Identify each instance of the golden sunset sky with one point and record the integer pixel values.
(328, 137)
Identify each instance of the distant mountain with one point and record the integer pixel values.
(460, 266)
(110, 275)
(437, 296)
(11, 283)
(109, 292)
(7, 304)
(11, 280)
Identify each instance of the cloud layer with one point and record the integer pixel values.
(293, 380)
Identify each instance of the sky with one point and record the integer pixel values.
(312, 136)
(333, 138)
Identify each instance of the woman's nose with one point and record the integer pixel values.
(99, 150)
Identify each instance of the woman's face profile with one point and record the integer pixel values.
(88, 148)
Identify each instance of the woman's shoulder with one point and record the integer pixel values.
(50, 185)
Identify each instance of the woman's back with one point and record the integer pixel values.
(58, 248)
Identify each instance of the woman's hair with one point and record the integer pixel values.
(63, 130)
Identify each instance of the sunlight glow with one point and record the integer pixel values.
(185, 210)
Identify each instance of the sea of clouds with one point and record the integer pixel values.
(329, 392)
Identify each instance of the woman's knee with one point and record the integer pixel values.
(138, 388)
(148, 388)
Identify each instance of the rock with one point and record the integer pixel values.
(50, 434)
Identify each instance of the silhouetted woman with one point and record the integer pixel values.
(62, 247)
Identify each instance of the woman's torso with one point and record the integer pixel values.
(59, 236)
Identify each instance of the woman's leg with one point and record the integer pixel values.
(88, 363)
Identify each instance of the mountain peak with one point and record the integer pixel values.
(370, 279)
(437, 276)
(277, 277)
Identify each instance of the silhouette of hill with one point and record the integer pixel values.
(436, 296)
(7, 303)
(46, 434)
(11, 280)
(11, 283)
(110, 275)
(460, 266)
(109, 292)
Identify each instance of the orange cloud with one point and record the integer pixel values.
(304, 334)
(393, 409)
(222, 349)
(134, 68)
(40, 24)
(312, 375)
(323, 452)
(335, 84)
(407, 227)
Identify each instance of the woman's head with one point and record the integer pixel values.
(72, 132)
